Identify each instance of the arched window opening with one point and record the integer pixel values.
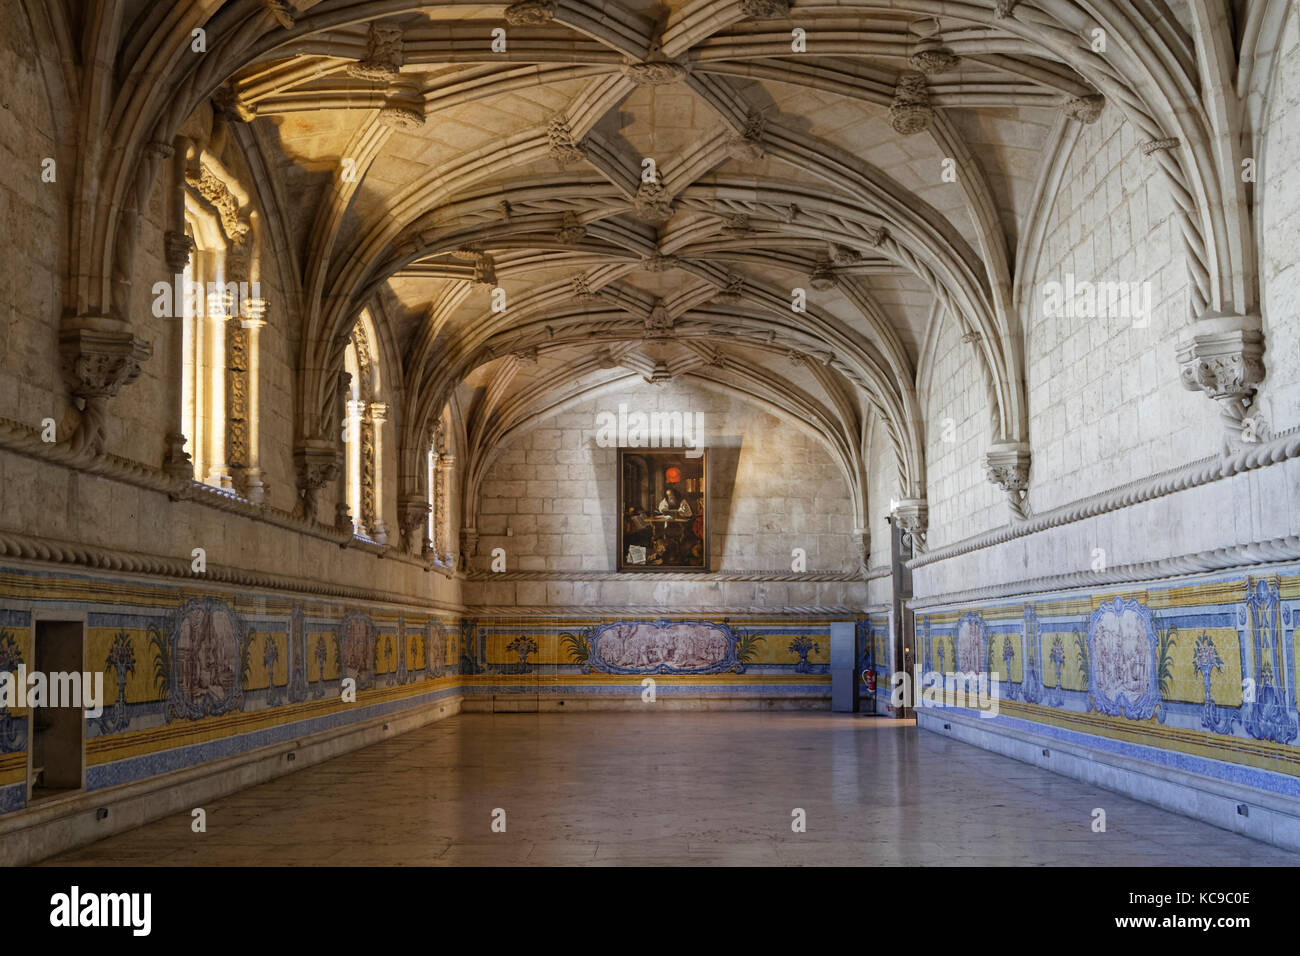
(363, 434)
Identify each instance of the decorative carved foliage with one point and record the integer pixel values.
(316, 463)
(412, 517)
(213, 189)
(822, 276)
(563, 148)
(571, 229)
(732, 292)
(736, 227)
(659, 324)
(911, 112)
(582, 290)
(843, 255)
(748, 144)
(765, 9)
(659, 263)
(98, 362)
(237, 416)
(652, 204)
(912, 516)
(383, 59)
(655, 72)
(934, 61)
(468, 547)
(1007, 465)
(402, 115)
(1085, 109)
(528, 13)
(1225, 360)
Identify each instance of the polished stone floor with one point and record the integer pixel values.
(676, 788)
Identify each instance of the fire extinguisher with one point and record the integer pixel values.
(870, 677)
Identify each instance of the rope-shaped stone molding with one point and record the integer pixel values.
(30, 548)
(713, 612)
(812, 577)
(1271, 551)
(1201, 472)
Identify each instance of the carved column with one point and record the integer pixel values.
(237, 414)
(378, 415)
(255, 489)
(177, 247)
(442, 525)
(357, 472)
(213, 325)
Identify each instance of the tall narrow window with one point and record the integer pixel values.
(363, 434)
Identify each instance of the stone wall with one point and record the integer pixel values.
(1106, 404)
(773, 488)
(1278, 197)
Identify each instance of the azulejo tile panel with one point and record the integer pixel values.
(1206, 667)
(192, 675)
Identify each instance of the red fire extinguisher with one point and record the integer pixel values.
(870, 676)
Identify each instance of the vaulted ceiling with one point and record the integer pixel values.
(540, 199)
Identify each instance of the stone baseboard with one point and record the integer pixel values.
(64, 823)
(1268, 817)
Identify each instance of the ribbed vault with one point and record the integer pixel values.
(536, 201)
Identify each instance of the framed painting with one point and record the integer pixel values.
(663, 509)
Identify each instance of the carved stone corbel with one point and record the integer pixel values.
(911, 112)
(468, 548)
(176, 250)
(1224, 358)
(1085, 109)
(654, 72)
(530, 13)
(912, 517)
(99, 355)
(765, 9)
(412, 523)
(316, 463)
(1007, 465)
(383, 60)
(561, 144)
(862, 543)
